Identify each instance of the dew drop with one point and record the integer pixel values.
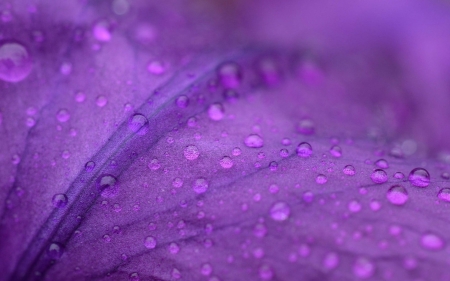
(230, 75)
(191, 152)
(55, 251)
(62, 115)
(379, 176)
(101, 31)
(445, 175)
(230, 95)
(206, 269)
(432, 242)
(349, 170)
(182, 101)
(89, 166)
(138, 123)
(273, 166)
(280, 211)
(236, 151)
(150, 242)
(80, 97)
(133, 277)
(154, 164)
(419, 177)
(216, 111)
(174, 248)
(382, 163)
(444, 194)
(336, 151)
(108, 186)
(354, 206)
(265, 272)
(260, 230)
(331, 260)
(284, 153)
(226, 162)
(321, 179)
(306, 127)
(15, 62)
(101, 101)
(176, 274)
(399, 175)
(363, 268)
(200, 185)
(397, 195)
(59, 200)
(177, 182)
(156, 67)
(254, 141)
(304, 150)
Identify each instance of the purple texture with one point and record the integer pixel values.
(227, 140)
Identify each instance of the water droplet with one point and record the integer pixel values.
(226, 162)
(260, 230)
(176, 274)
(273, 166)
(321, 179)
(419, 177)
(432, 242)
(55, 251)
(156, 67)
(331, 260)
(336, 151)
(399, 175)
(138, 123)
(349, 170)
(65, 154)
(268, 70)
(306, 127)
(265, 272)
(230, 95)
(154, 164)
(80, 97)
(375, 205)
(284, 153)
(174, 248)
(445, 175)
(101, 31)
(177, 182)
(150, 242)
(308, 197)
(273, 188)
(304, 150)
(206, 269)
(363, 268)
(444, 194)
(216, 111)
(30, 122)
(101, 101)
(230, 75)
(134, 277)
(354, 206)
(15, 62)
(200, 185)
(63, 115)
(108, 186)
(280, 211)
(379, 176)
(236, 151)
(60, 200)
(397, 195)
(191, 152)
(89, 166)
(382, 163)
(254, 141)
(182, 101)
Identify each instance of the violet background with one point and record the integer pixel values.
(372, 76)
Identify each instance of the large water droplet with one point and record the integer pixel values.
(200, 185)
(419, 177)
(432, 242)
(59, 200)
(15, 62)
(304, 150)
(230, 75)
(397, 195)
(363, 268)
(138, 123)
(216, 111)
(191, 152)
(444, 194)
(150, 242)
(280, 211)
(379, 176)
(254, 141)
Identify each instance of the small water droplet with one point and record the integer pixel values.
(273, 166)
(60, 200)
(206, 269)
(182, 101)
(216, 112)
(150, 242)
(363, 268)
(176, 274)
(138, 123)
(284, 153)
(191, 152)
(331, 260)
(236, 151)
(254, 141)
(154, 164)
(134, 277)
(89, 166)
(432, 242)
(397, 195)
(349, 170)
(177, 182)
(101, 31)
(15, 62)
(101, 101)
(304, 150)
(445, 175)
(200, 185)
(399, 175)
(321, 179)
(354, 206)
(444, 194)
(306, 127)
(174, 248)
(226, 162)
(382, 163)
(379, 176)
(55, 251)
(419, 177)
(265, 272)
(80, 97)
(65, 154)
(63, 115)
(336, 151)
(108, 186)
(230, 75)
(280, 211)
(156, 67)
